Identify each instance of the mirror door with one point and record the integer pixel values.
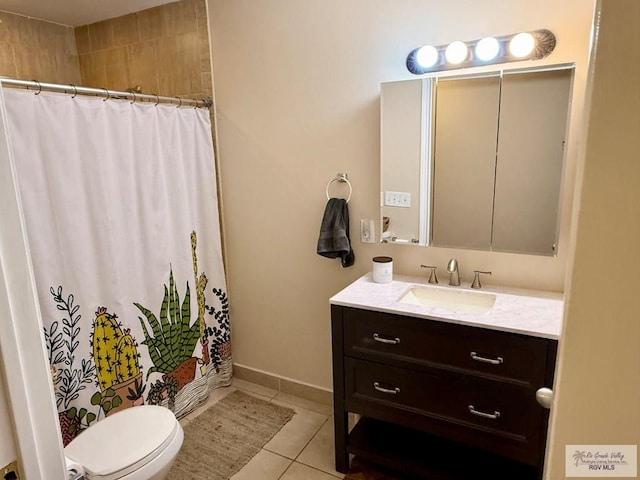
(530, 152)
(475, 162)
(466, 129)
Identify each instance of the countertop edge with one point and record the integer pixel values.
(435, 318)
(352, 296)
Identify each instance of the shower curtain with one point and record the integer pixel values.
(120, 206)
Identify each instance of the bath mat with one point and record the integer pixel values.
(223, 438)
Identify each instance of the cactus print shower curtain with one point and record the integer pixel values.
(121, 213)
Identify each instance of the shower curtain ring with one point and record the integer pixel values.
(39, 87)
(180, 104)
(134, 97)
(75, 90)
(108, 94)
(157, 100)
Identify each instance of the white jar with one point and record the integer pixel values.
(382, 269)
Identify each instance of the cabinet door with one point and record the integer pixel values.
(533, 118)
(495, 416)
(418, 343)
(466, 128)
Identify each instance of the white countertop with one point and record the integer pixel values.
(528, 312)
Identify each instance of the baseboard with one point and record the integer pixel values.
(283, 384)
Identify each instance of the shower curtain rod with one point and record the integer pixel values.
(107, 94)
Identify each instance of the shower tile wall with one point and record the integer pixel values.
(165, 50)
(34, 49)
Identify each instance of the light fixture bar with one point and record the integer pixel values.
(533, 45)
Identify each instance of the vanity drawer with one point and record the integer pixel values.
(496, 416)
(407, 340)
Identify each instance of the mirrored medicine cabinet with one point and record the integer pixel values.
(475, 162)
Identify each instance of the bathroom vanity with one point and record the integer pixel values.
(443, 379)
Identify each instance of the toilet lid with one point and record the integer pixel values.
(123, 442)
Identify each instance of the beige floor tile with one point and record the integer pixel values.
(297, 471)
(264, 466)
(285, 398)
(296, 433)
(254, 388)
(319, 452)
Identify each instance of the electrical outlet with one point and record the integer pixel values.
(10, 472)
(366, 231)
(397, 199)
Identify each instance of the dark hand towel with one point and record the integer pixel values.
(334, 240)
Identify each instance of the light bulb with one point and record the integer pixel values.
(522, 45)
(427, 56)
(487, 49)
(456, 52)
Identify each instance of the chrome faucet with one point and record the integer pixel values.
(432, 276)
(452, 268)
(476, 278)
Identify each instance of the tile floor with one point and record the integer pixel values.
(301, 450)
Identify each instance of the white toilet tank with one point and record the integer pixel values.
(125, 442)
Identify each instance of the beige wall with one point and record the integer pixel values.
(297, 93)
(33, 49)
(165, 50)
(598, 384)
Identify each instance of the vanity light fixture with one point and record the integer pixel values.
(456, 52)
(487, 49)
(427, 56)
(522, 45)
(532, 45)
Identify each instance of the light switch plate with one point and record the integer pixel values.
(366, 231)
(397, 199)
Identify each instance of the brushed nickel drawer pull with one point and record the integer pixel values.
(377, 386)
(390, 341)
(493, 416)
(492, 361)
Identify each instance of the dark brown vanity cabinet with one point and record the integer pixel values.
(439, 400)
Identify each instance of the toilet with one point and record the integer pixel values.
(138, 443)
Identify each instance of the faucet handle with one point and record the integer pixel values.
(476, 278)
(432, 275)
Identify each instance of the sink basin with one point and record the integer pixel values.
(459, 301)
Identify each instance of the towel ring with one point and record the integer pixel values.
(341, 177)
